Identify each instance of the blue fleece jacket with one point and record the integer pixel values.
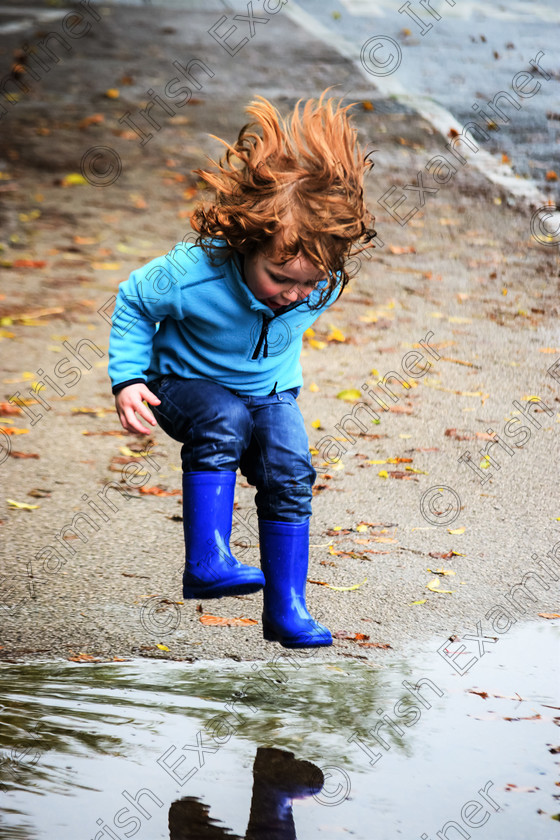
(184, 315)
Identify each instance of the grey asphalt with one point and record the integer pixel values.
(472, 274)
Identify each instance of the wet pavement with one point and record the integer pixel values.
(467, 276)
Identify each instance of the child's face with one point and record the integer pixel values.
(279, 284)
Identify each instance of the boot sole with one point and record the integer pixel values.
(221, 590)
(270, 635)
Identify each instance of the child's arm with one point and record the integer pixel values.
(139, 307)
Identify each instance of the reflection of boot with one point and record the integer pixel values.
(189, 820)
(284, 560)
(211, 570)
(277, 779)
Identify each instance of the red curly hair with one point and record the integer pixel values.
(298, 190)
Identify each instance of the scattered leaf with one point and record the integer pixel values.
(112, 93)
(158, 491)
(73, 179)
(338, 588)
(22, 263)
(218, 621)
(456, 530)
(350, 394)
(402, 249)
(441, 571)
(21, 505)
(335, 334)
(414, 603)
(83, 657)
(7, 408)
(549, 615)
(162, 647)
(433, 586)
(94, 119)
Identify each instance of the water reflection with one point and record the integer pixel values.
(217, 750)
(278, 779)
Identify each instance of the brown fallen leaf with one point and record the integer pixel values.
(108, 433)
(483, 694)
(7, 408)
(459, 362)
(402, 249)
(510, 786)
(549, 615)
(356, 637)
(94, 119)
(15, 454)
(83, 657)
(28, 263)
(381, 645)
(401, 409)
(464, 435)
(158, 491)
(219, 621)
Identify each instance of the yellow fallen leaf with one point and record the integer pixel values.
(130, 453)
(112, 93)
(162, 647)
(309, 333)
(423, 601)
(433, 586)
(383, 474)
(338, 588)
(313, 387)
(106, 266)
(338, 466)
(336, 334)
(21, 505)
(456, 530)
(318, 345)
(441, 571)
(316, 424)
(73, 179)
(361, 528)
(349, 394)
(413, 470)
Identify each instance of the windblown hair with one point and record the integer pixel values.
(295, 188)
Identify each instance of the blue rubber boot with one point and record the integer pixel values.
(284, 561)
(211, 570)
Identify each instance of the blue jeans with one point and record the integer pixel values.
(264, 437)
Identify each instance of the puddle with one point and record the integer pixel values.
(297, 748)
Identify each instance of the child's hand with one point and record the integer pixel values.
(129, 403)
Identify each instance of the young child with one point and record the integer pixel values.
(210, 336)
